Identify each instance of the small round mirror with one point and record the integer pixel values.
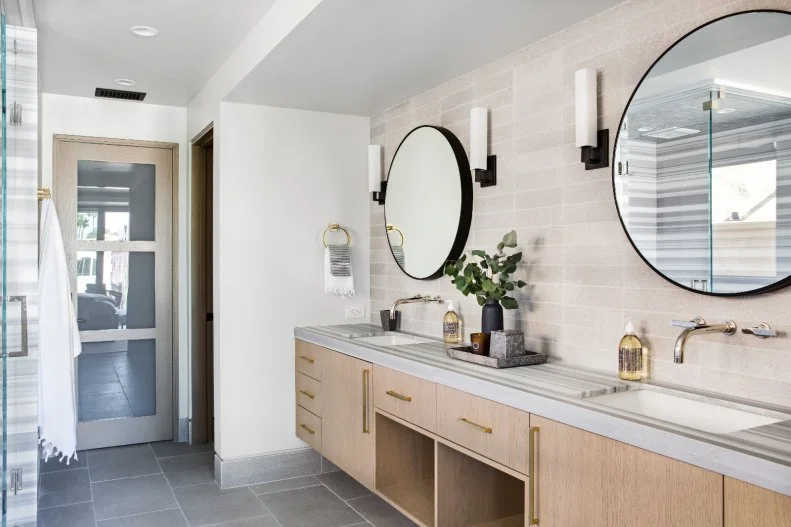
(428, 204)
(702, 171)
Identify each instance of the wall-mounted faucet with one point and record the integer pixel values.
(423, 299)
(694, 327)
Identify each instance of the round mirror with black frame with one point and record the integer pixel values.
(702, 171)
(428, 204)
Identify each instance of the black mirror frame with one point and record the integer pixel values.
(780, 284)
(465, 214)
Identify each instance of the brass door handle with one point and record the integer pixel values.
(531, 476)
(366, 424)
(307, 359)
(309, 429)
(484, 429)
(307, 394)
(398, 396)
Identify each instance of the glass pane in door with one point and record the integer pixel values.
(115, 290)
(117, 379)
(115, 201)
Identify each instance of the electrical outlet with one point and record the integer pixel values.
(355, 311)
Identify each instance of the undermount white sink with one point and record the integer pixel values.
(689, 410)
(393, 339)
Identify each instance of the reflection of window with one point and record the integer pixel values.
(86, 266)
(744, 219)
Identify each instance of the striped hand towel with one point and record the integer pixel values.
(338, 276)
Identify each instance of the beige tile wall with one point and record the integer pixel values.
(585, 279)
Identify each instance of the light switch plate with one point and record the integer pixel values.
(355, 311)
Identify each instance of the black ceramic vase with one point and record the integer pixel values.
(491, 316)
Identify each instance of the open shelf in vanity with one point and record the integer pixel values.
(405, 469)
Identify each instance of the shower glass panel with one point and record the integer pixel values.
(18, 274)
(750, 177)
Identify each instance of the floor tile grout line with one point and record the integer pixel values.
(65, 505)
(90, 486)
(136, 514)
(128, 477)
(346, 503)
(271, 513)
(170, 486)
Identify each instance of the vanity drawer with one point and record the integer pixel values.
(309, 428)
(491, 429)
(308, 359)
(405, 396)
(309, 393)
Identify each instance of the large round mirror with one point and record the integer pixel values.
(428, 205)
(702, 171)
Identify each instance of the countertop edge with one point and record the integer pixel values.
(716, 458)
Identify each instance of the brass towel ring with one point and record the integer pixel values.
(334, 227)
(391, 228)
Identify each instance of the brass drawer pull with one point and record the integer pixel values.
(307, 394)
(531, 477)
(484, 429)
(398, 396)
(366, 415)
(308, 359)
(309, 429)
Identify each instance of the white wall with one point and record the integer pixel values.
(283, 176)
(63, 114)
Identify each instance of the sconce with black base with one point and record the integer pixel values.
(379, 196)
(597, 156)
(487, 177)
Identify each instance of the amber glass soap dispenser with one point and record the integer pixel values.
(630, 356)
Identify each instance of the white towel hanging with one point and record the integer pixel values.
(58, 341)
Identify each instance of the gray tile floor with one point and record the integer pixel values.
(172, 485)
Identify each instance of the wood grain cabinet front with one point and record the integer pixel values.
(406, 396)
(491, 429)
(309, 428)
(308, 359)
(750, 506)
(347, 415)
(308, 393)
(583, 479)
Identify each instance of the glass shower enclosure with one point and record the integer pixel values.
(19, 274)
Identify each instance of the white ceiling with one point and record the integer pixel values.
(361, 56)
(84, 44)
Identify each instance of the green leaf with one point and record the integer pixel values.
(509, 286)
(479, 253)
(521, 283)
(461, 282)
(509, 303)
(451, 270)
(484, 265)
(488, 285)
(500, 247)
(481, 299)
(516, 257)
(509, 240)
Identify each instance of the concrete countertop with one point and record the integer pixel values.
(761, 456)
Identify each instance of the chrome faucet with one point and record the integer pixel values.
(412, 300)
(694, 327)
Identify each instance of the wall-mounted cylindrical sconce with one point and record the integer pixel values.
(376, 185)
(595, 143)
(484, 165)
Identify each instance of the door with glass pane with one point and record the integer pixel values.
(115, 204)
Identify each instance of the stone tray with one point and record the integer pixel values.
(465, 353)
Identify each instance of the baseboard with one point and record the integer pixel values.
(238, 472)
(184, 431)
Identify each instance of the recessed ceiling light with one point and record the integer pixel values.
(125, 82)
(644, 129)
(726, 110)
(144, 31)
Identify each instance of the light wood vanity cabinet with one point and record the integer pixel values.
(347, 415)
(447, 458)
(750, 506)
(586, 479)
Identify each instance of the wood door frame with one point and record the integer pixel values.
(200, 244)
(59, 139)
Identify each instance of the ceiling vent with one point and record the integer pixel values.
(123, 95)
